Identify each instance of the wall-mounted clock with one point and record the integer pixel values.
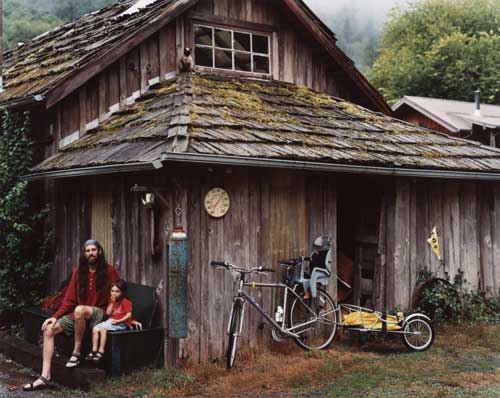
(217, 202)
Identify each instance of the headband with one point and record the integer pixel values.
(92, 242)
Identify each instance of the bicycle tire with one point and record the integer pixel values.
(319, 334)
(419, 342)
(234, 330)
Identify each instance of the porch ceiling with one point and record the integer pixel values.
(244, 118)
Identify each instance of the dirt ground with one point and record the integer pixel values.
(14, 376)
(463, 362)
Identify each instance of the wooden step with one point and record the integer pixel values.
(30, 355)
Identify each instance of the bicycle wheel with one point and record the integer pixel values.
(314, 320)
(418, 334)
(234, 331)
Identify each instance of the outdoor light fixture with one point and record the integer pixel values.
(148, 200)
(158, 163)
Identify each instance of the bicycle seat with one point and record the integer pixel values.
(290, 263)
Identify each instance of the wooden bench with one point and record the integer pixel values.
(125, 350)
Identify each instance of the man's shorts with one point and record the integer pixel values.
(67, 322)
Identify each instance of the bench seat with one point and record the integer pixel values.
(125, 350)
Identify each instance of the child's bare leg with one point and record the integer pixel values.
(95, 338)
(102, 343)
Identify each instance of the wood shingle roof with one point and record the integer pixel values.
(38, 66)
(245, 118)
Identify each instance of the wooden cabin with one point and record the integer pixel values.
(471, 120)
(277, 116)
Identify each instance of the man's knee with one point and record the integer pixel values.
(51, 331)
(82, 311)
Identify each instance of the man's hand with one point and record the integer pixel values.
(49, 323)
(114, 321)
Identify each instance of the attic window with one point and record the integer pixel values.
(231, 50)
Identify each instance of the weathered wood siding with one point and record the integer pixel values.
(296, 58)
(116, 86)
(466, 215)
(413, 116)
(273, 215)
(72, 227)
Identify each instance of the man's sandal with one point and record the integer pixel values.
(90, 356)
(45, 383)
(73, 363)
(98, 357)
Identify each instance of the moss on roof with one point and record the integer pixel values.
(34, 67)
(234, 116)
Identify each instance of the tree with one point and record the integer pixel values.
(67, 10)
(25, 19)
(23, 245)
(441, 48)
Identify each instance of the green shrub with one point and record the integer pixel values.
(24, 250)
(446, 301)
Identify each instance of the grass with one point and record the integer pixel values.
(464, 362)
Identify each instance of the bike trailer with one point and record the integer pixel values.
(373, 320)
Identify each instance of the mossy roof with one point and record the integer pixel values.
(234, 116)
(37, 66)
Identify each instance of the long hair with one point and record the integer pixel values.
(83, 275)
(122, 285)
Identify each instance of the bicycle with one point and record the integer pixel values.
(310, 319)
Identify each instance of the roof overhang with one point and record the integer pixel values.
(407, 101)
(190, 158)
(32, 101)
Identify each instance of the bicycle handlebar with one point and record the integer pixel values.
(226, 265)
(218, 264)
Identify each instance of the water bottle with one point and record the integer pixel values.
(278, 316)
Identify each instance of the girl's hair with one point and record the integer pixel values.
(122, 285)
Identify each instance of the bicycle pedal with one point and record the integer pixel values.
(261, 325)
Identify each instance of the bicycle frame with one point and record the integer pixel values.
(243, 297)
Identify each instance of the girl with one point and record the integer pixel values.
(119, 311)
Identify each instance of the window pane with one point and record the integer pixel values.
(243, 61)
(260, 64)
(203, 57)
(223, 59)
(223, 38)
(260, 44)
(203, 36)
(242, 41)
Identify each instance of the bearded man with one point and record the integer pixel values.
(84, 303)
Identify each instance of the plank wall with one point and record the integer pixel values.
(274, 215)
(467, 217)
(115, 87)
(413, 116)
(296, 58)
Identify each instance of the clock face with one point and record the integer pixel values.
(217, 202)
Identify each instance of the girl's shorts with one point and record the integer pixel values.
(107, 325)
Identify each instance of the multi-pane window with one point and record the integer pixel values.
(231, 50)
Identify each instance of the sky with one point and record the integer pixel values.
(376, 8)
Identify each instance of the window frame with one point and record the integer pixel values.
(233, 29)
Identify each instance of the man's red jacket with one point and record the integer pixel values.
(71, 299)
